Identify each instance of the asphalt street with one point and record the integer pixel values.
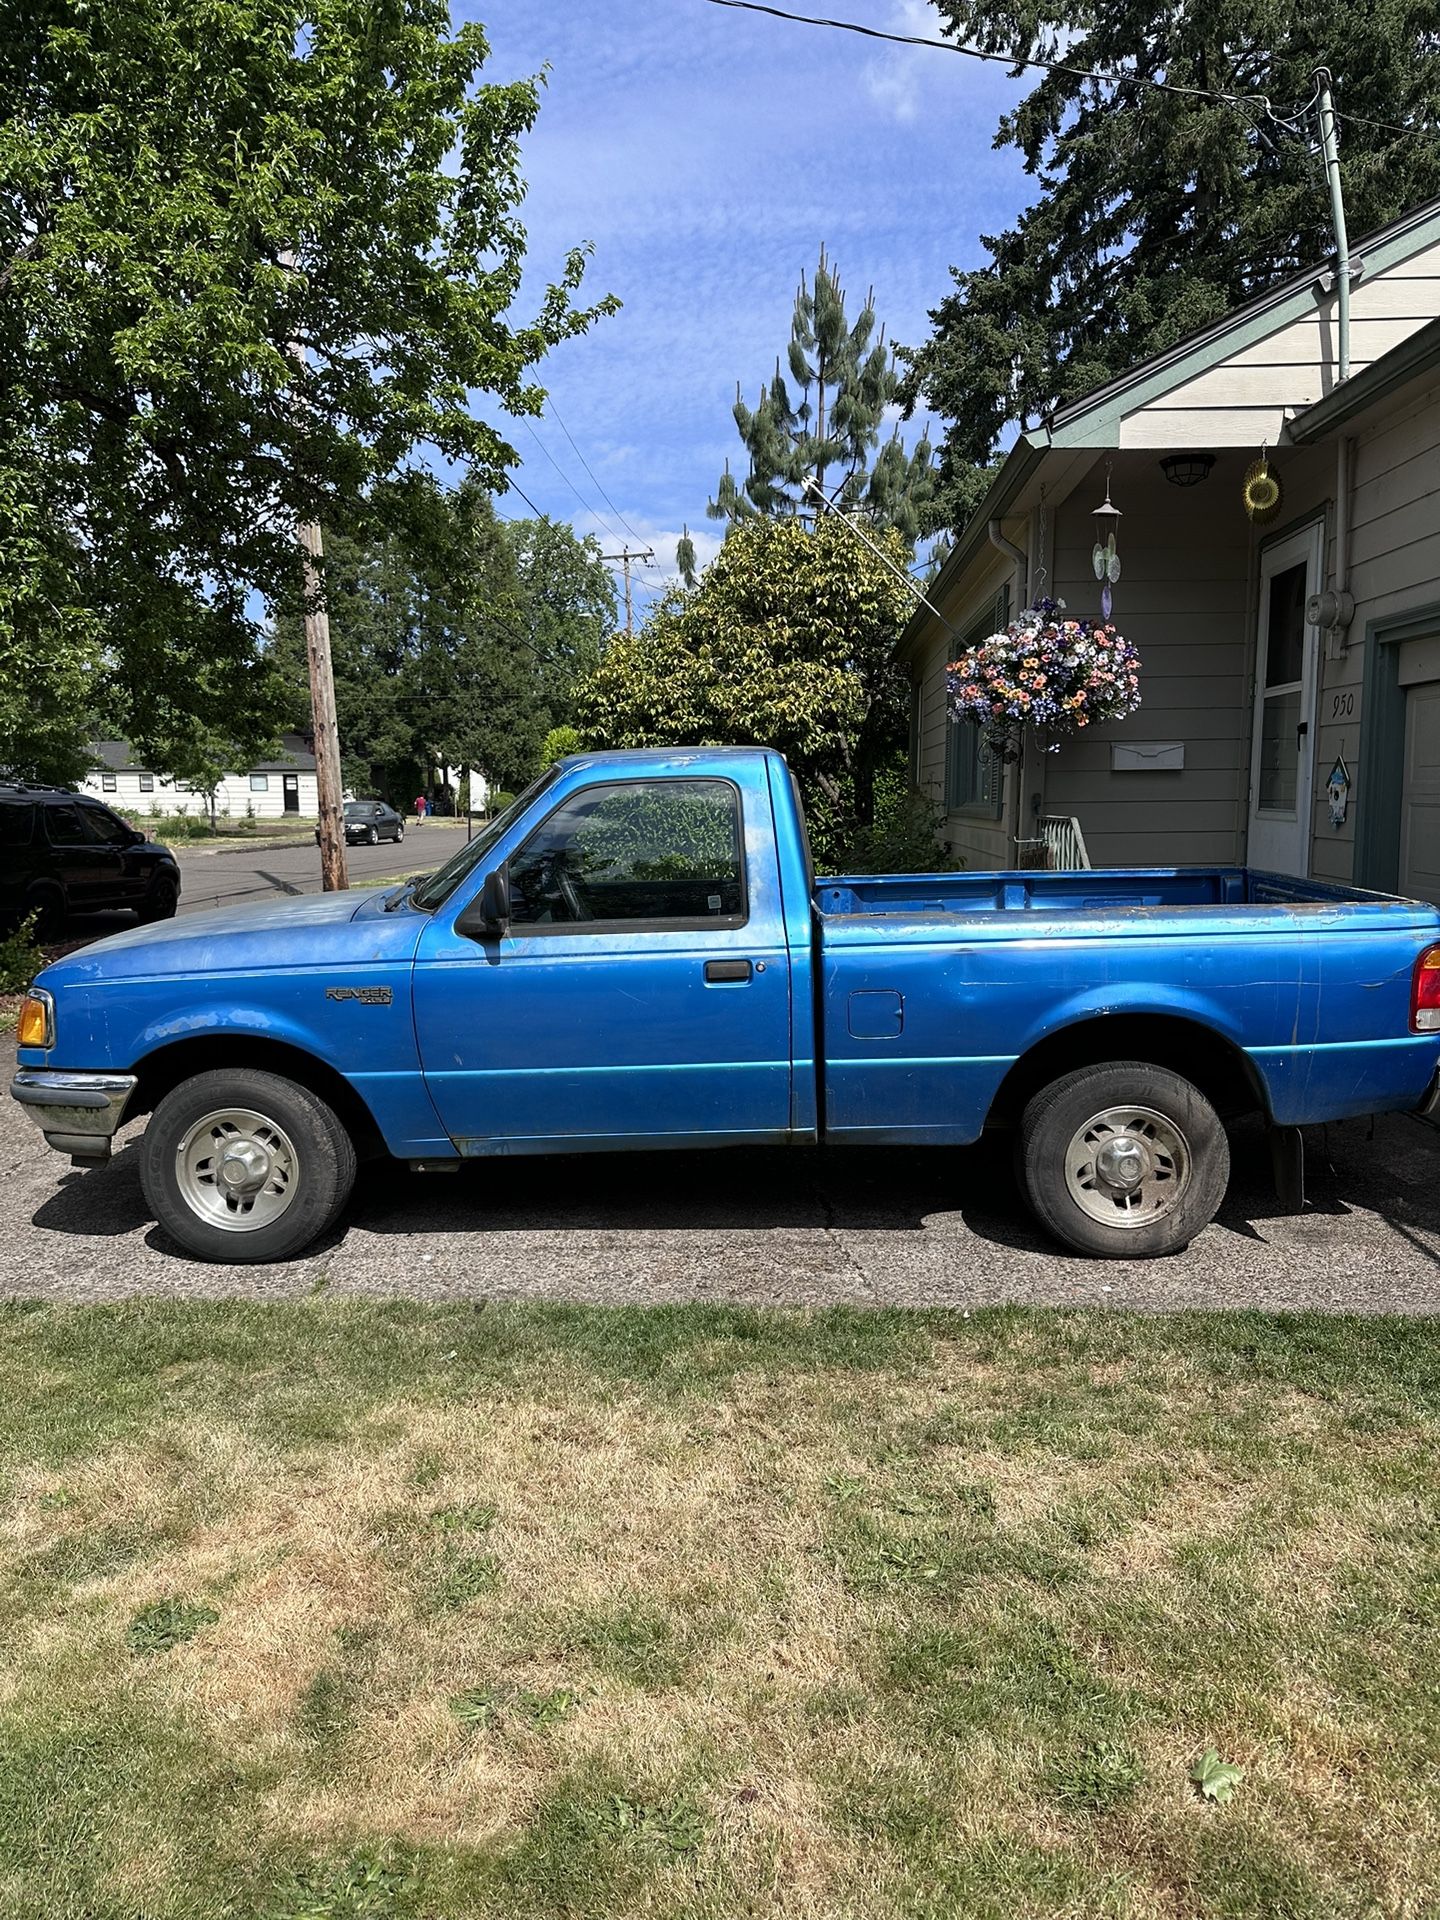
(892, 1228)
(209, 878)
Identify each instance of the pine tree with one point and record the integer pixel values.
(1159, 212)
(843, 379)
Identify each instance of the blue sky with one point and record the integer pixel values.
(706, 154)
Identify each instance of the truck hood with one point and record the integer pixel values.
(273, 935)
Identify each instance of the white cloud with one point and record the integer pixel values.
(895, 79)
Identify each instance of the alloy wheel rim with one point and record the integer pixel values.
(237, 1169)
(1127, 1166)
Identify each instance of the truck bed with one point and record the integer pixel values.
(931, 988)
(1097, 890)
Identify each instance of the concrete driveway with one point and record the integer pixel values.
(892, 1228)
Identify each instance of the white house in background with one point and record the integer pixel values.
(1290, 666)
(268, 790)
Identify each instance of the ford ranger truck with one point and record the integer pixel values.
(637, 955)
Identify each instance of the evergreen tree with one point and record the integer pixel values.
(1158, 212)
(843, 378)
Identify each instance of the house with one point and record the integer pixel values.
(265, 791)
(1276, 651)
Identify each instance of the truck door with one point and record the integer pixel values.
(640, 995)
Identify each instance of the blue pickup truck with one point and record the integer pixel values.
(637, 954)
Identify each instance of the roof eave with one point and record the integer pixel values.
(1017, 467)
(1415, 356)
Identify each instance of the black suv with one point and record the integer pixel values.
(63, 853)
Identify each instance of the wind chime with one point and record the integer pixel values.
(1105, 559)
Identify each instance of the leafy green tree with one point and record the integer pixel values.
(1158, 212)
(432, 666)
(788, 641)
(256, 256)
(566, 611)
(558, 742)
(829, 431)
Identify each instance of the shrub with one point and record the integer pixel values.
(20, 958)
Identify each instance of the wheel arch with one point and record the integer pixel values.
(1209, 1059)
(164, 1069)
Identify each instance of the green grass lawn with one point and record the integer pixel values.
(334, 1610)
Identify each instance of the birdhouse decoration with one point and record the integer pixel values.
(1105, 559)
(1337, 789)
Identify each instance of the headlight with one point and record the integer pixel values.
(36, 1025)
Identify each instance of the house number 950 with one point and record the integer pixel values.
(1342, 706)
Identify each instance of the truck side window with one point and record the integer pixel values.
(654, 852)
(64, 828)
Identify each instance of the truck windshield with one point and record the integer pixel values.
(438, 887)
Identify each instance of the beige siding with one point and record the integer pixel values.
(1183, 597)
(975, 841)
(1395, 570)
(1244, 400)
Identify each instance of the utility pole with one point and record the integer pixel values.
(1330, 152)
(329, 791)
(625, 556)
(328, 788)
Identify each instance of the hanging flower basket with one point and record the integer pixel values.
(1045, 671)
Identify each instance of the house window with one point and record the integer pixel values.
(107, 783)
(974, 777)
(147, 783)
(259, 783)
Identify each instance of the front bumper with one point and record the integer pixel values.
(77, 1112)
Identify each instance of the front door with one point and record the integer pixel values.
(1282, 751)
(292, 792)
(641, 994)
(1420, 794)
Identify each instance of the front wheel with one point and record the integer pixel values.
(242, 1166)
(400, 833)
(161, 901)
(372, 837)
(1126, 1160)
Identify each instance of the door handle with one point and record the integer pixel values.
(717, 971)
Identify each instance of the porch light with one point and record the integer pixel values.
(1187, 469)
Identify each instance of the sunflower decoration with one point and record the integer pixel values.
(1261, 490)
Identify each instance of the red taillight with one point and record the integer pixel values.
(1425, 994)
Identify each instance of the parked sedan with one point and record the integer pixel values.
(368, 821)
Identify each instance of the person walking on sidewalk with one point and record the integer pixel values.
(422, 807)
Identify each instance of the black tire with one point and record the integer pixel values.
(324, 1170)
(400, 833)
(162, 899)
(372, 837)
(47, 902)
(1068, 1192)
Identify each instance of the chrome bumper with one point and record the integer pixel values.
(76, 1112)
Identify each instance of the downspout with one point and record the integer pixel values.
(1022, 599)
(1335, 609)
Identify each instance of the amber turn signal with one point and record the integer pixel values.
(34, 1027)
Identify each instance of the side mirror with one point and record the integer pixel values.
(488, 914)
(137, 839)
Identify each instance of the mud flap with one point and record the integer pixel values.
(1287, 1163)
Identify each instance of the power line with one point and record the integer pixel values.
(555, 414)
(997, 59)
(1013, 60)
(588, 505)
(524, 496)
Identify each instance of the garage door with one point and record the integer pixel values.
(1420, 802)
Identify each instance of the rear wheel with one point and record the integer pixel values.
(243, 1166)
(1126, 1160)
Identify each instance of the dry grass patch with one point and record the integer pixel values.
(701, 1614)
